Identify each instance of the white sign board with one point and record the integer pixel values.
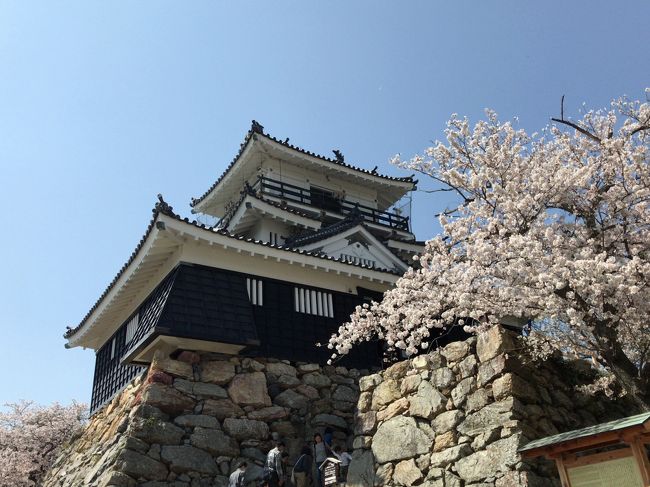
(622, 472)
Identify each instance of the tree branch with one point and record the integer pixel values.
(578, 128)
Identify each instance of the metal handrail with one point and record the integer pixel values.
(288, 191)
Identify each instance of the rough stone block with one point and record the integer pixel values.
(397, 370)
(447, 421)
(161, 361)
(492, 342)
(407, 473)
(460, 392)
(291, 399)
(513, 385)
(246, 429)
(217, 372)
(385, 393)
(209, 390)
(277, 369)
(329, 420)
(410, 384)
(427, 402)
(395, 408)
(156, 431)
(450, 455)
(167, 399)
(194, 420)
(345, 393)
(399, 438)
(189, 459)
(487, 371)
(308, 391)
(268, 414)
(455, 351)
(316, 380)
(490, 417)
(221, 408)
(444, 441)
(498, 457)
(443, 378)
(138, 465)
(365, 400)
(369, 382)
(249, 390)
(214, 441)
(361, 472)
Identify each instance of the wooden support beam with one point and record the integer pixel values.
(564, 476)
(641, 457)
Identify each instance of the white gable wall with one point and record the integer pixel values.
(355, 248)
(267, 226)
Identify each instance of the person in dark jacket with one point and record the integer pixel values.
(303, 467)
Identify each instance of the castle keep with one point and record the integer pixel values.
(299, 241)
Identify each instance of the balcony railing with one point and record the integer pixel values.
(326, 200)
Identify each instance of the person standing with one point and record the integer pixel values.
(345, 458)
(237, 478)
(285, 469)
(273, 467)
(320, 455)
(302, 468)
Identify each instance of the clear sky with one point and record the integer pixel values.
(105, 104)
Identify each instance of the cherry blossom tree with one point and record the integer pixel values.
(30, 437)
(553, 228)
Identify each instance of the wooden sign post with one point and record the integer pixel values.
(607, 454)
(330, 471)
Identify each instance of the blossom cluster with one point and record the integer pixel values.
(553, 228)
(30, 438)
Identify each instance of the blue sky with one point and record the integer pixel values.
(105, 104)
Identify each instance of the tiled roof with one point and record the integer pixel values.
(256, 128)
(326, 232)
(616, 425)
(165, 209)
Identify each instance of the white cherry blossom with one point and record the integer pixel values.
(551, 227)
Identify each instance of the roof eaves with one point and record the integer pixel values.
(250, 192)
(256, 128)
(162, 208)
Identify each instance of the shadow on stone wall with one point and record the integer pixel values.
(188, 422)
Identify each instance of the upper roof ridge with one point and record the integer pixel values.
(339, 159)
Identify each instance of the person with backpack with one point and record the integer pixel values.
(301, 473)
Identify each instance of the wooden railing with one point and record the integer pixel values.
(324, 200)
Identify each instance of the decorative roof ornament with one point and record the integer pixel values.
(257, 127)
(163, 207)
(339, 156)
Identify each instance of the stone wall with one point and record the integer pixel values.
(456, 417)
(451, 418)
(188, 422)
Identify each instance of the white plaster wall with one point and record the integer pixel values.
(288, 173)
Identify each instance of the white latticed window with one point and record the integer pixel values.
(313, 302)
(131, 327)
(255, 291)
